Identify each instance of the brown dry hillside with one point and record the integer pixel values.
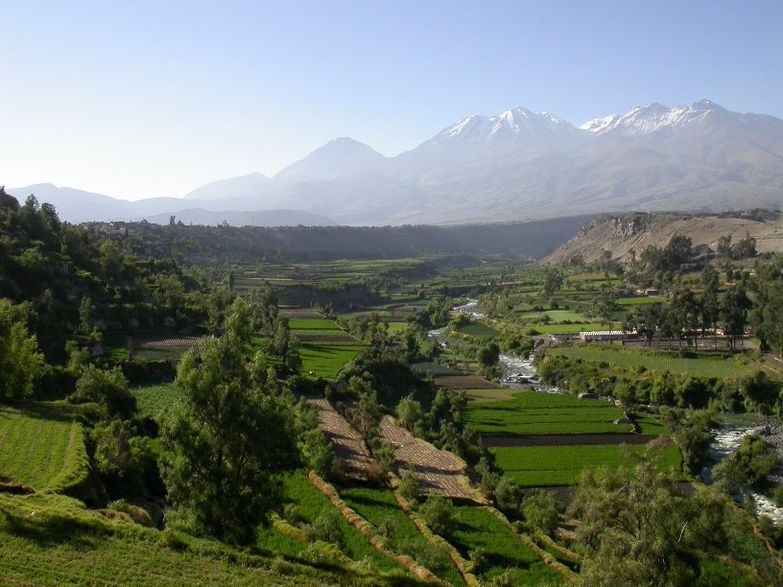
(636, 231)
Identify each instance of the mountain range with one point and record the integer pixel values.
(513, 166)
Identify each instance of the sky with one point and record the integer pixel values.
(155, 98)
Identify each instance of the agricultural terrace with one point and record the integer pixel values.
(569, 328)
(538, 466)
(379, 507)
(701, 366)
(311, 505)
(477, 529)
(532, 412)
(42, 447)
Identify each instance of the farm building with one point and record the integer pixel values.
(607, 335)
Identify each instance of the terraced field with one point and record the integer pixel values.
(478, 330)
(379, 507)
(311, 504)
(156, 400)
(326, 360)
(42, 447)
(438, 471)
(478, 529)
(353, 457)
(531, 412)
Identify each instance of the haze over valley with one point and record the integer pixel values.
(517, 165)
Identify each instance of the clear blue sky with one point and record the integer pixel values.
(140, 98)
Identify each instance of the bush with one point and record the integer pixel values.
(508, 495)
(328, 527)
(409, 487)
(438, 512)
(541, 513)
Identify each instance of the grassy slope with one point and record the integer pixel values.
(699, 367)
(560, 465)
(326, 360)
(42, 446)
(54, 540)
(156, 400)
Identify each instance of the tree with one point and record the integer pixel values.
(734, 313)
(438, 512)
(226, 441)
(21, 363)
(106, 387)
(754, 460)
(489, 355)
(553, 281)
(541, 513)
(409, 413)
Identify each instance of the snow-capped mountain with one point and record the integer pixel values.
(514, 165)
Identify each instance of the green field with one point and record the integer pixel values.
(325, 360)
(703, 366)
(379, 507)
(311, 503)
(478, 330)
(312, 324)
(477, 528)
(538, 466)
(532, 412)
(155, 400)
(556, 316)
(395, 327)
(42, 447)
(435, 369)
(569, 328)
(640, 301)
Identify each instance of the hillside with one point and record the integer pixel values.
(636, 231)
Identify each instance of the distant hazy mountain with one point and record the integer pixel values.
(516, 165)
(241, 218)
(338, 158)
(252, 184)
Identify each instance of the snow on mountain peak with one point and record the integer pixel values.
(651, 118)
(514, 121)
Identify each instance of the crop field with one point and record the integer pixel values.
(350, 450)
(569, 328)
(311, 503)
(703, 366)
(435, 369)
(540, 466)
(52, 540)
(326, 360)
(464, 382)
(478, 330)
(396, 327)
(490, 395)
(438, 471)
(41, 448)
(379, 507)
(312, 324)
(531, 412)
(556, 316)
(477, 528)
(156, 400)
(640, 301)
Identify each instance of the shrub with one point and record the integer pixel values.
(438, 512)
(508, 495)
(409, 487)
(328, 527)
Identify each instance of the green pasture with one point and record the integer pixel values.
(640, 301)
(556, 316)
(570, 328)
(540, 466)
(532, 412)
(702, 366)
(312, 324)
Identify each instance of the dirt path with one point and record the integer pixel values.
(566, 439)
(438, 471)
(351, 453)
